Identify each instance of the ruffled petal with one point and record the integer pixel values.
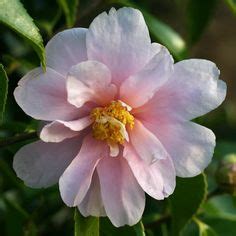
(123, 198)
(146, 144)
(90, 82)
(41, 164)
(92, 204)
(66, 49)
(191, 146)
(139, 88)
(121, 41)
(43, 96)
(193, 90)
(75, 181)
(58, 130)
(157, 179)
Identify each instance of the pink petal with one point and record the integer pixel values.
(146, 144)
(43, 96)
(190, 145)
(92, 203)
(66, 49)
(90, 82)
(121, 41)
(59, 130)
(192, 91)
(75, 181)
(157, 179)
(123, 198)
(141, 87)
(41, 164)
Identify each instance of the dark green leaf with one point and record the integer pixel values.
(198, 15)
(161, 32)
(186, 200)
(17, 216)
(85, 226)
(139, 229)
(3, 90)
(69, 8)
(107, 229)
(232, 5)
(14, 15)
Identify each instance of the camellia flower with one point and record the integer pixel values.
(116, 112)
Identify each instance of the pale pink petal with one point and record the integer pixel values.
(121, 41)
(123, 198)
(92, 203)
(139, 88)
(146, 144)
(192, 91)
(58, 130)
(75, 181)
(157, 179)
(41, 164)
(66, 49)
(42, 95)
(90, 82)
(190, 145)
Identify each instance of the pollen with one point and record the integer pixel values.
(110, 123)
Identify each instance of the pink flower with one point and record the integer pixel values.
(117, 112)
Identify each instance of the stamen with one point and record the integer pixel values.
(110, 123)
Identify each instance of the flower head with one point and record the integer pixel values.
(118, 117)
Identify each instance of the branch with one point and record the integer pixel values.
(18, 138)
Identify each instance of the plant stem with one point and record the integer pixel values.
(18, 138)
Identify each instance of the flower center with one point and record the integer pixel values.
(110, 123)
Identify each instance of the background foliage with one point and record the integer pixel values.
(204, 205)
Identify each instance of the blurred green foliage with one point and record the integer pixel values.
(3, 90)
(28, 212)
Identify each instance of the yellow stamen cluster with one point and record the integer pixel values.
(110, 122)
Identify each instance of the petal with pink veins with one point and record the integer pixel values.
(121, 41)
(90, 81)
(43, 96)
(92, 203)
(157, 179)
(58, 130)
(146, 144)
(40, 164)
(76, 180)
(66, 49)
(140, 88)
(123, 198)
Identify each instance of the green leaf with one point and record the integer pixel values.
(204, 229)
(139, 229)
(69, 8)
(186, 200)
(222, 206)
(222, 227)
(3, 90)
(167, 36)
(161, 32)
(14, 15)
(232, 5)
(198, 15)
(85, 226)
